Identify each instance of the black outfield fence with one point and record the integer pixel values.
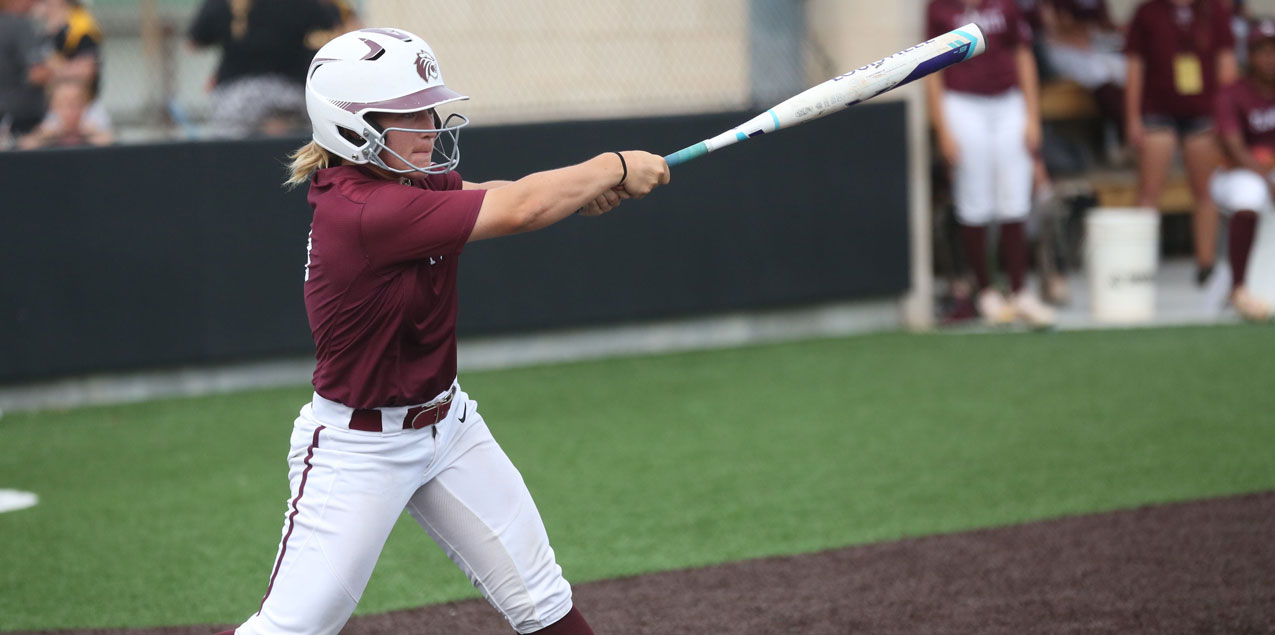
(145, 256)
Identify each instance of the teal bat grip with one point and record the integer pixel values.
(686, 154)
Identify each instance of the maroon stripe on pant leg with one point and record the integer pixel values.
(292, 517)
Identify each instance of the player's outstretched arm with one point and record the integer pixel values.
(544, 198)
(485, 185)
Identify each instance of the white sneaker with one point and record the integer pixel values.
(1028, 308)
(993, 307)
(1249, 306)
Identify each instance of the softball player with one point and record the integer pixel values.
(987, 122)
(1244, 113)
(389, 427)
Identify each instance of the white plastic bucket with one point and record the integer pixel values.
(1122, 248)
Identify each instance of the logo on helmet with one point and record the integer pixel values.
(426, 66)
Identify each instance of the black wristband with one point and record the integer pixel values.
(625, 167)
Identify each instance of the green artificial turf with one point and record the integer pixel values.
(170, 512)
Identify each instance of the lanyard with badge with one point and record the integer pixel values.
(1188, 71)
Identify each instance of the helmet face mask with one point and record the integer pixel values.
(446, 145)
(379, 70)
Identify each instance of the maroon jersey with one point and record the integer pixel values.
(1030, 10)
(995, 71)
(1241, 108)
(380, 287)
(1160, 33)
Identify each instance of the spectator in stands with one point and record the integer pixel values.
(1245, 116)
(259, 87)
(348, 19)
(1094, 13)
(986, 120)
(1082, 44)
(1077, 42)
(67, 124)
(77, 40)
(77, 46)
(23, 70)
(1179, 53)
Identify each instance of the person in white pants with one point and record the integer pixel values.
(389, 428)
(986, 118)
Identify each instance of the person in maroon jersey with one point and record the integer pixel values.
(1243, 188)
(389, 428)
(1179, 53)
(986, 119)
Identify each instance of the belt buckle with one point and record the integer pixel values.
(437, 408)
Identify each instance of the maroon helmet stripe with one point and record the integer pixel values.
(415, 101)
(292, 517)
(376, 48)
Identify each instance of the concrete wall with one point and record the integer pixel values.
(553, 59)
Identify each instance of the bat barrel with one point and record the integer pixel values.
(848, 89)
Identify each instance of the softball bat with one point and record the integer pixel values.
(843, 91)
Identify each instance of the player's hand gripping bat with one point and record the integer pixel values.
(843, 91)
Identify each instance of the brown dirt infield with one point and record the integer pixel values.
(1198, 567)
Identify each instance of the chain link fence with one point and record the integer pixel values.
(519, 61)
(153, 84)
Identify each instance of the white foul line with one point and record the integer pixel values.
(12, 500)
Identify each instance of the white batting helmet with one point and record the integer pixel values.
(378, 70)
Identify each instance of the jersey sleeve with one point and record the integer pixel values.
(1020, 31)
(1223, 34)
(934, 25)
(211, 24)
(1135, 39)
(1226, 112)
(402, 223)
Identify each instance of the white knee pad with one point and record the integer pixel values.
(1240, 189)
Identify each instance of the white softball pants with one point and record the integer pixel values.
(349, 488)
(993, 179)
(1241, 189)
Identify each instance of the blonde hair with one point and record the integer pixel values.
(306, 160)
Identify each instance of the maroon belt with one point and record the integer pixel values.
(368, 420)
